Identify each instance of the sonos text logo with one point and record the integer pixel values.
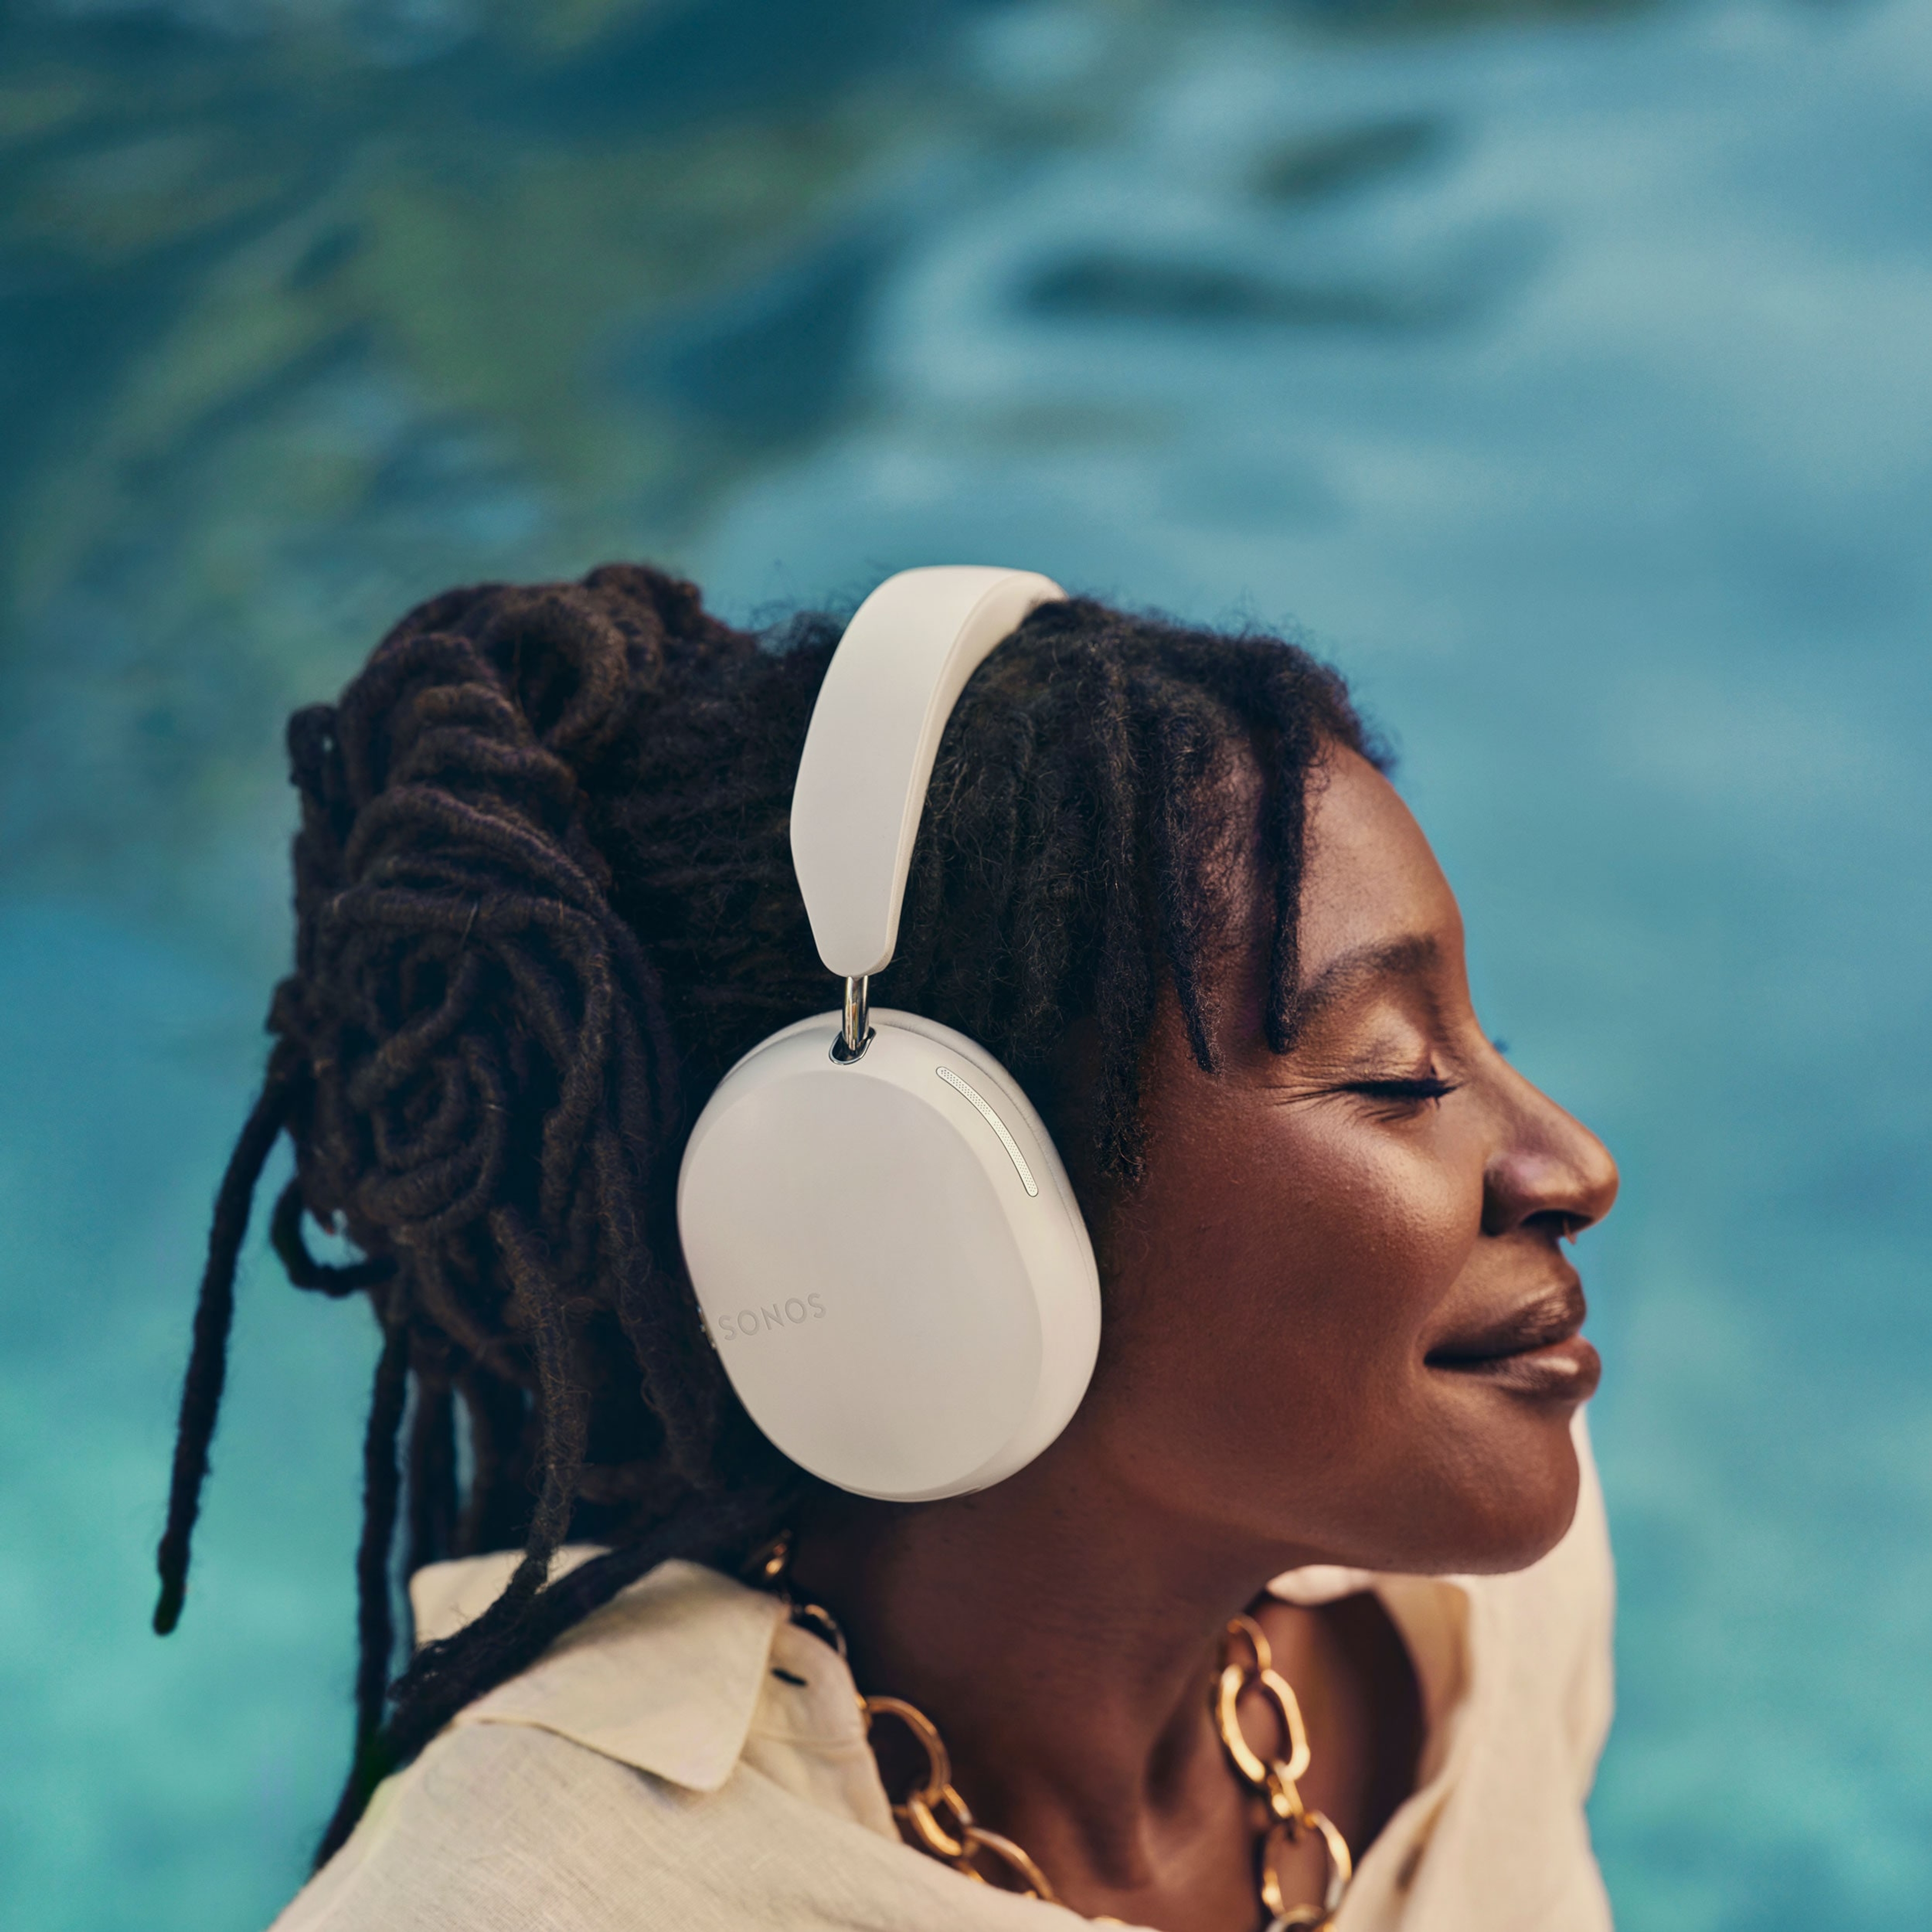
(748, 1321)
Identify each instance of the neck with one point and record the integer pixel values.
(1061, 1634)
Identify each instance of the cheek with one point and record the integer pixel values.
(1351, 1236)
(1281, 1254)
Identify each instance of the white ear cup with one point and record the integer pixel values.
(889, 1258)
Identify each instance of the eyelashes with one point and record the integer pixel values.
(1393, 1097)
(1414, 1090)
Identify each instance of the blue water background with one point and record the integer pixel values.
(1564, 374)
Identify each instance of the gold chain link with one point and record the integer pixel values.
(919, 1817)
(1278, 1780)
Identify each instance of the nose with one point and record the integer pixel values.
(1547, 1169)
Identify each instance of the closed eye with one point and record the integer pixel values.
(1409, 1092)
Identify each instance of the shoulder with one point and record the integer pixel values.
(684, 1757)
(494, 1826)
(602, 1774)
(509, 1828)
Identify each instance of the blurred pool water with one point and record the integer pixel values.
(1562, 372)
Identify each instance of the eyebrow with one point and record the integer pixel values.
(1407, 957)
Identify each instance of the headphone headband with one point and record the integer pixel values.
(889, 690)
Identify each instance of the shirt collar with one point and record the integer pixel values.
(665, 1677)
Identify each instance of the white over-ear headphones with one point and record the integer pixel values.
(888, 1256)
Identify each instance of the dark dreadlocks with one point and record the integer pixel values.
(544, 898)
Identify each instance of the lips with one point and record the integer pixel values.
(1535, 1349)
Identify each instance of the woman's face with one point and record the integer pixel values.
(1339, 1316)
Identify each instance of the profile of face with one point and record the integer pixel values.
(1339, 1320)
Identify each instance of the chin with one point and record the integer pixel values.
(1519, 1511)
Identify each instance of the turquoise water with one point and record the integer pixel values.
(1563, 373)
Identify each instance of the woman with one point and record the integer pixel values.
(543, 901)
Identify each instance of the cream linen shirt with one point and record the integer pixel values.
(686, 1759)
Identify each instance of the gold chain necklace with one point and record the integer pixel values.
(939, 1822)
(935, 1819)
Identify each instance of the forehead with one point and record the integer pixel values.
(1369, 877)
(1374, 903)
